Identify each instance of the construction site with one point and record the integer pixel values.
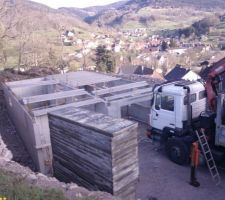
(90, 128)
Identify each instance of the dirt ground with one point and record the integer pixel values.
(161, 179)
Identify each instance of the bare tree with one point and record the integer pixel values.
(8, 18)
(8, 22)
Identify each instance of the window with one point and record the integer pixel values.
(167, 102)
(192, 99)
(202, 95)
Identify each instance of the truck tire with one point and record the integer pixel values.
(177, 151)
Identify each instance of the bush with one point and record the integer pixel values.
(145, 20)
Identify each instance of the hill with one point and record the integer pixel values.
(156, 14)
(31, 31)
(83, 13)
(51, 16)
(202, 4)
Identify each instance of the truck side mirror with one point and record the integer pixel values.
(157, 107)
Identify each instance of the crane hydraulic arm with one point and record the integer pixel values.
(212, 83)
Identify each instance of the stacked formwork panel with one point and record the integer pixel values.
(94, 150)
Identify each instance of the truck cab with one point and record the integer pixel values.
(170, 105)
(175, 106)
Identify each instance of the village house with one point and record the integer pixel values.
(140, 70)
(178, 73)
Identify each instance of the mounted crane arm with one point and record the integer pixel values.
(212, 83)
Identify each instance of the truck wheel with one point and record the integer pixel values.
(177, 151)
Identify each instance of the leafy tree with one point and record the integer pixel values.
(164, 46)
(173, 43)
(105, 61)
(199, 28)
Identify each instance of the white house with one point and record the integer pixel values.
(178, 73)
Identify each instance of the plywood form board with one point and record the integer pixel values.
(95, 150)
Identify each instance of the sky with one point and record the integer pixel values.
(74, 3)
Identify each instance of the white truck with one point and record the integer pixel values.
(181, 108)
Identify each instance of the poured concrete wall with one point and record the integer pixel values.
(34, 129)
(28, 105)
(96, 151)
(34, 132)
(140, 111)
(23, 122)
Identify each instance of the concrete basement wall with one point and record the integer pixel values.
(22, 120)
(33, 131)
(30, 91)
(140, 111)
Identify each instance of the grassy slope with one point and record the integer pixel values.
(217, 33)
(13, 187)
(166, 18)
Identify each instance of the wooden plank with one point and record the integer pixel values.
(120, 88)
(53, 96)
(129, 94)
(75, 104)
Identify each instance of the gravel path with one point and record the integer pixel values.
(161, 179)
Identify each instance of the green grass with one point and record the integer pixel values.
(14, 188)
(217, 34)
(166, 18)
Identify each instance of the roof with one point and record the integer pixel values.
(127, 69)
(142, 70)
(172, 88)
(176, 73)
(157, 75)
(136, 69)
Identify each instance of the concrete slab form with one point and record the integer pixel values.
(30, 101)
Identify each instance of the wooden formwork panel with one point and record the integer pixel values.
(95, 151)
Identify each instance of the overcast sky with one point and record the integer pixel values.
(74, 3)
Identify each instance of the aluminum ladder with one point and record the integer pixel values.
(208, 156)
